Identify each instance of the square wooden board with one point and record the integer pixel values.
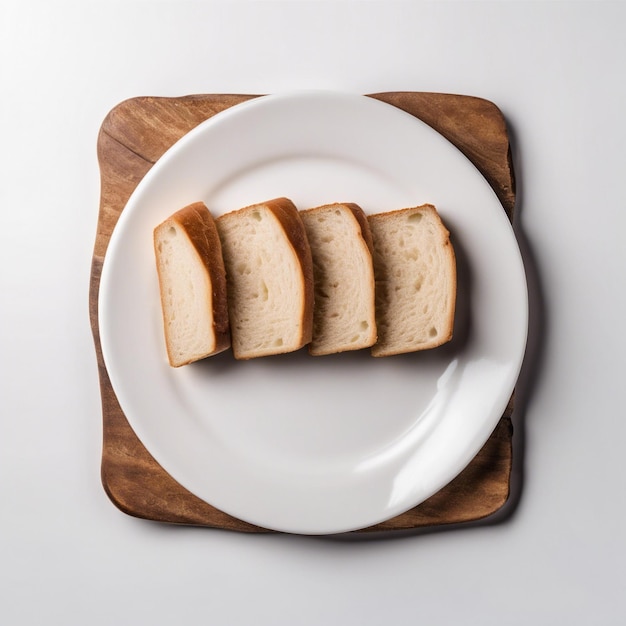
(131, 139)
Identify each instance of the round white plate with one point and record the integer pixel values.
(305, 444)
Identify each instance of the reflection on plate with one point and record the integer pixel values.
(307, 444)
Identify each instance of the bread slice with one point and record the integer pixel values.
(344, 316)
(415, 270)
(270, 278)
(192, 284)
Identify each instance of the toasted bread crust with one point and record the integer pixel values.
(288, 215)
(361, 218)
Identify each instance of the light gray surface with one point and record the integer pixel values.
(67, 556)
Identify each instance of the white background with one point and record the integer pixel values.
(556, 70)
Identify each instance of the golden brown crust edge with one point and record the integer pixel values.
(288, 215)
(198, 223)
(366, 231)
(449, 248)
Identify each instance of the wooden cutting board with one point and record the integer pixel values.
(131, 139)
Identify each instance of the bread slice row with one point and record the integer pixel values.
(271, 279)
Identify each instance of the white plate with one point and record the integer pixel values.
(325, 444)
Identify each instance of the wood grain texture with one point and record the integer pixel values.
(132, 138)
